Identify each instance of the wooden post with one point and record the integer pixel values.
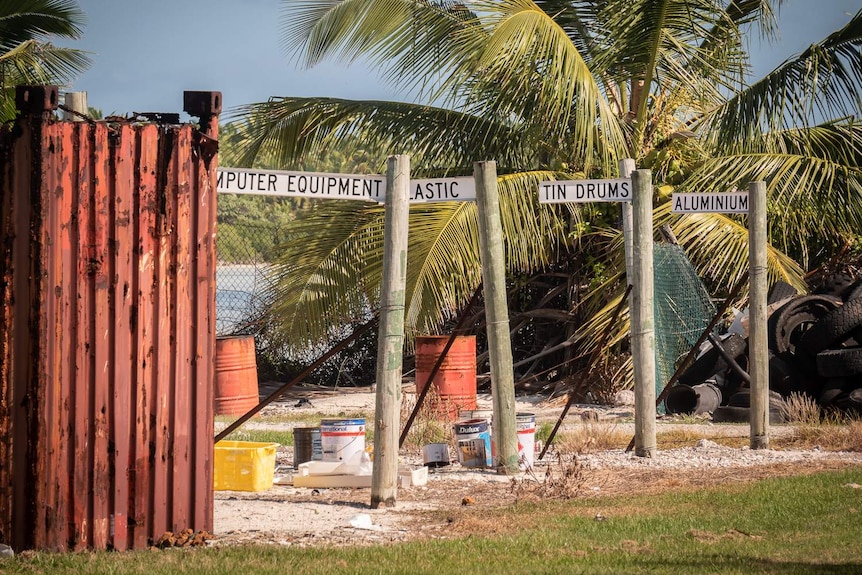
(497, 314)
(76, 101)
(757, 339)
(642, 315)
(390, 341)
(627, 166)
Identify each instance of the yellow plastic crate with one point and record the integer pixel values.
(243, 466)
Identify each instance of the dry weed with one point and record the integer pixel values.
(801, 409)
(562, 479)
(431, 424)
(833, 434)
(829, 430)
(591, 437)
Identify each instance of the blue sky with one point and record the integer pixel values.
(145, 54)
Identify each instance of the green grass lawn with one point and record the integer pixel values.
(806, 524)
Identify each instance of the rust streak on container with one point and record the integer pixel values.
(123, 184)
(63, 197)
(20, 402)
(7, 170)
(45, 442)
(162, 408)
(145, 361)
(101, 274)
(184, 419)
(205, 262)
(82, 328)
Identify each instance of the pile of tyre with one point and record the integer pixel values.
(815, 349)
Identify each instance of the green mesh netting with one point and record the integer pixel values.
(682, 309)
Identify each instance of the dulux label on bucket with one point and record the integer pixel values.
(473, 440)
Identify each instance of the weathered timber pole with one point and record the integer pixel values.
(497, 315)
(757, 338)
(642, 315)
(627, 166)
(390, 341)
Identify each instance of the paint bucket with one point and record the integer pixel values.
(455, 381)
(236, 390)
(473, 440)
(306, 445)
(435, 455)
(486, 414)
(342, 439)
(526, 425)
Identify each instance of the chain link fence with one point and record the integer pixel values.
(242, 277)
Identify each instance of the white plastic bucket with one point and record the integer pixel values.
(342, 439)
(526, 424)
(473, 440)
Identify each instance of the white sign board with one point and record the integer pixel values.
(563, 191)
(339, 186)
(727, 203)
(443, 190)
(301, 184)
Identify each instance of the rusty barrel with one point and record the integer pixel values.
(235, 375)
(455, 383)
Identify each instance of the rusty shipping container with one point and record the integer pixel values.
(107, 336)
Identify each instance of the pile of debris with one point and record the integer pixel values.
(815, 349)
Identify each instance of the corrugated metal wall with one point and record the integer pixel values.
(107, 336)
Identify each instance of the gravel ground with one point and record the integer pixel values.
(285, 515)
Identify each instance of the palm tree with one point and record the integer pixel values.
(562, 89)
(26, 55)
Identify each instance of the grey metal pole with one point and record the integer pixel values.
(757, 338)
(497, 314)
(642, 315)
(387, 408)
(627, 166)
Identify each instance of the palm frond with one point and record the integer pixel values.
(33, 62)
(822, 83)
(815, 199)
(661, 40)
(717, 245)
(409, 40)
(320, 278)
(22, 20)
(438, 140)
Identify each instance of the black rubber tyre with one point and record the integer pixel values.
(786, 374)
(779, 291)
(833, 388)
(840, 362)
(730, 414)
(711, 362)
(854, 291)
(833, 328)
(787, 326)
(850, 402)
(742, 398)
(835, 284)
